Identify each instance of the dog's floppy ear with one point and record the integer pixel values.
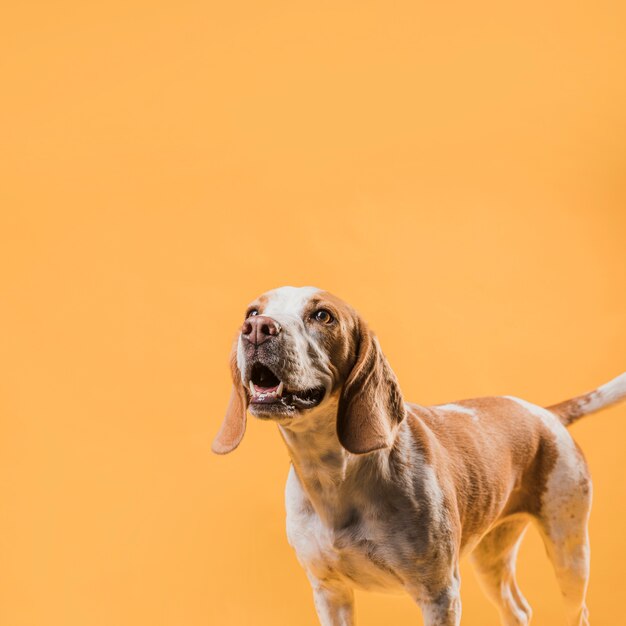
(234, 424)
(370, 404)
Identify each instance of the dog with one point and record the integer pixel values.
(387, 495)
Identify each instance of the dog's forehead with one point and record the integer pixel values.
(287, 300)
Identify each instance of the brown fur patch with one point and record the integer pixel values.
(496, 462)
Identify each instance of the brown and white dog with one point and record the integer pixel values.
(387, 495)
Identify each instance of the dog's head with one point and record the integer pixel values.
(301, 349)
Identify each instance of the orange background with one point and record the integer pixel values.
(455, 171)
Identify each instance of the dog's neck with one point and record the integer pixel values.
(327, 472)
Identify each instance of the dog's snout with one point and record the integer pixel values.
(260, 328)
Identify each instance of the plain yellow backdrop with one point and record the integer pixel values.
(456, 171)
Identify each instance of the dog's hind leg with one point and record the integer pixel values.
(563, 526)
(494, 561)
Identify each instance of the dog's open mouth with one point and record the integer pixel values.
(265, 388)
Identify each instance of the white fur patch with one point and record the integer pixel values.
(288, 301)
(458, 408)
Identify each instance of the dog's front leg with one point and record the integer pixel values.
(440, 603)
(442, 611)
(334, 603)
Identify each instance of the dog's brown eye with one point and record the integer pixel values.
(322, 316)
(252, 313)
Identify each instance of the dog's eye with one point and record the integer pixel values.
(252, 313)
(322, 316)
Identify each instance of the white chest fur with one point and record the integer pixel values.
(354, 554)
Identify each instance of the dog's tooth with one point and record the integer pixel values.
(279, 391)
(252, 391)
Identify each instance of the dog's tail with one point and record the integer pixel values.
(571, 410)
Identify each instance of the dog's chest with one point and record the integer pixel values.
(357, 552)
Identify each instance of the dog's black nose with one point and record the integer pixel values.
(260, 328)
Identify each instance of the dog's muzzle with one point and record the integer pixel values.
(267, 375)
